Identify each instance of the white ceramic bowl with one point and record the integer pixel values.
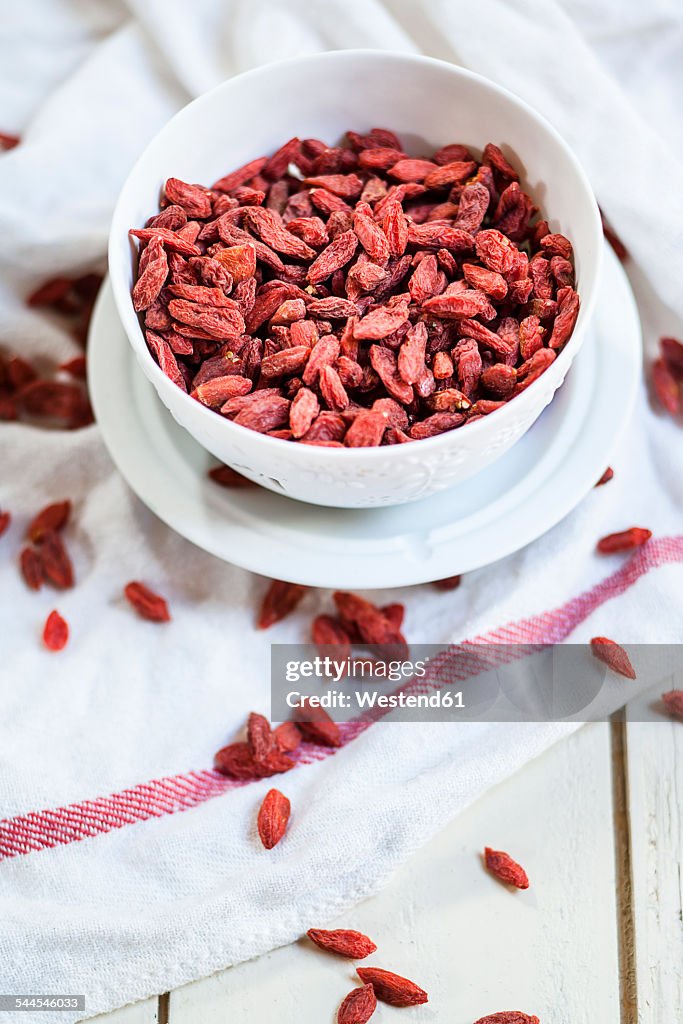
(428, 103)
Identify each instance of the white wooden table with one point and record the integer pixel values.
(597, 939)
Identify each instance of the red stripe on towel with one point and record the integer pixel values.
(45, 829)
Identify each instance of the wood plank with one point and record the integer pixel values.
(144, 1012)
(476, 947)
(654, 756)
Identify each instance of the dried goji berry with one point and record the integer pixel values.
(287, 737)
(613, 655)
(343, 941)
(269, 413)
(146, 603)
(152, 279)
(238, 260)
(55, 632)
(392, 988)
(317, 726)
(286, 362)
(9, 141)
(371, 236)
(567, 312)
(395, 613)
(494, 156)
(326, 630)
(50, 292)
(280, 599)
(672, 353)
(273, 818)
(334, 257)
(75, 367)
(667, 387)
(359, 1005)
(55, 561)
(371, 622)
(259, 736)
(626, 540)
(673, 701)
(195, 201)
(448, 583)
(411, 170)
(171, 239)
(237, 761)
(31, 566)
(236, 178)
(52, 517)
(505, 868)
(606, 477)
(395, 226)
(270, 227)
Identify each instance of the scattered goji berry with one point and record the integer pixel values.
(626, 540)
(55, 560)
(613, 655)
(273, 818)
(673, 701)
(606, 477)
(448, 583)
(237, 761)
(146, 603)
(8, 141)
(317, 726)
(259, 736)
(52, 517)
(287, 737)
(55, 632)
(280, 599)
(75, 367)
(505, 868)
(343, 941)
(31, 566)
(392, 988)
(359, 1005)
(667, 387)
(672, 353)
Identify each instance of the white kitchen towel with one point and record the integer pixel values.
(102, 747)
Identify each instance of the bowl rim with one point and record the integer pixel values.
(304, 451)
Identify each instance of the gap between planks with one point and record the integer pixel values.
(163, 1009)
(623, 871)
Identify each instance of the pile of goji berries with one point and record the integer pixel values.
(351, 296)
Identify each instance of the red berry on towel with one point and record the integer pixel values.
(55, 632)
(273, 817)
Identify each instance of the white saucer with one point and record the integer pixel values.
(550, 470)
